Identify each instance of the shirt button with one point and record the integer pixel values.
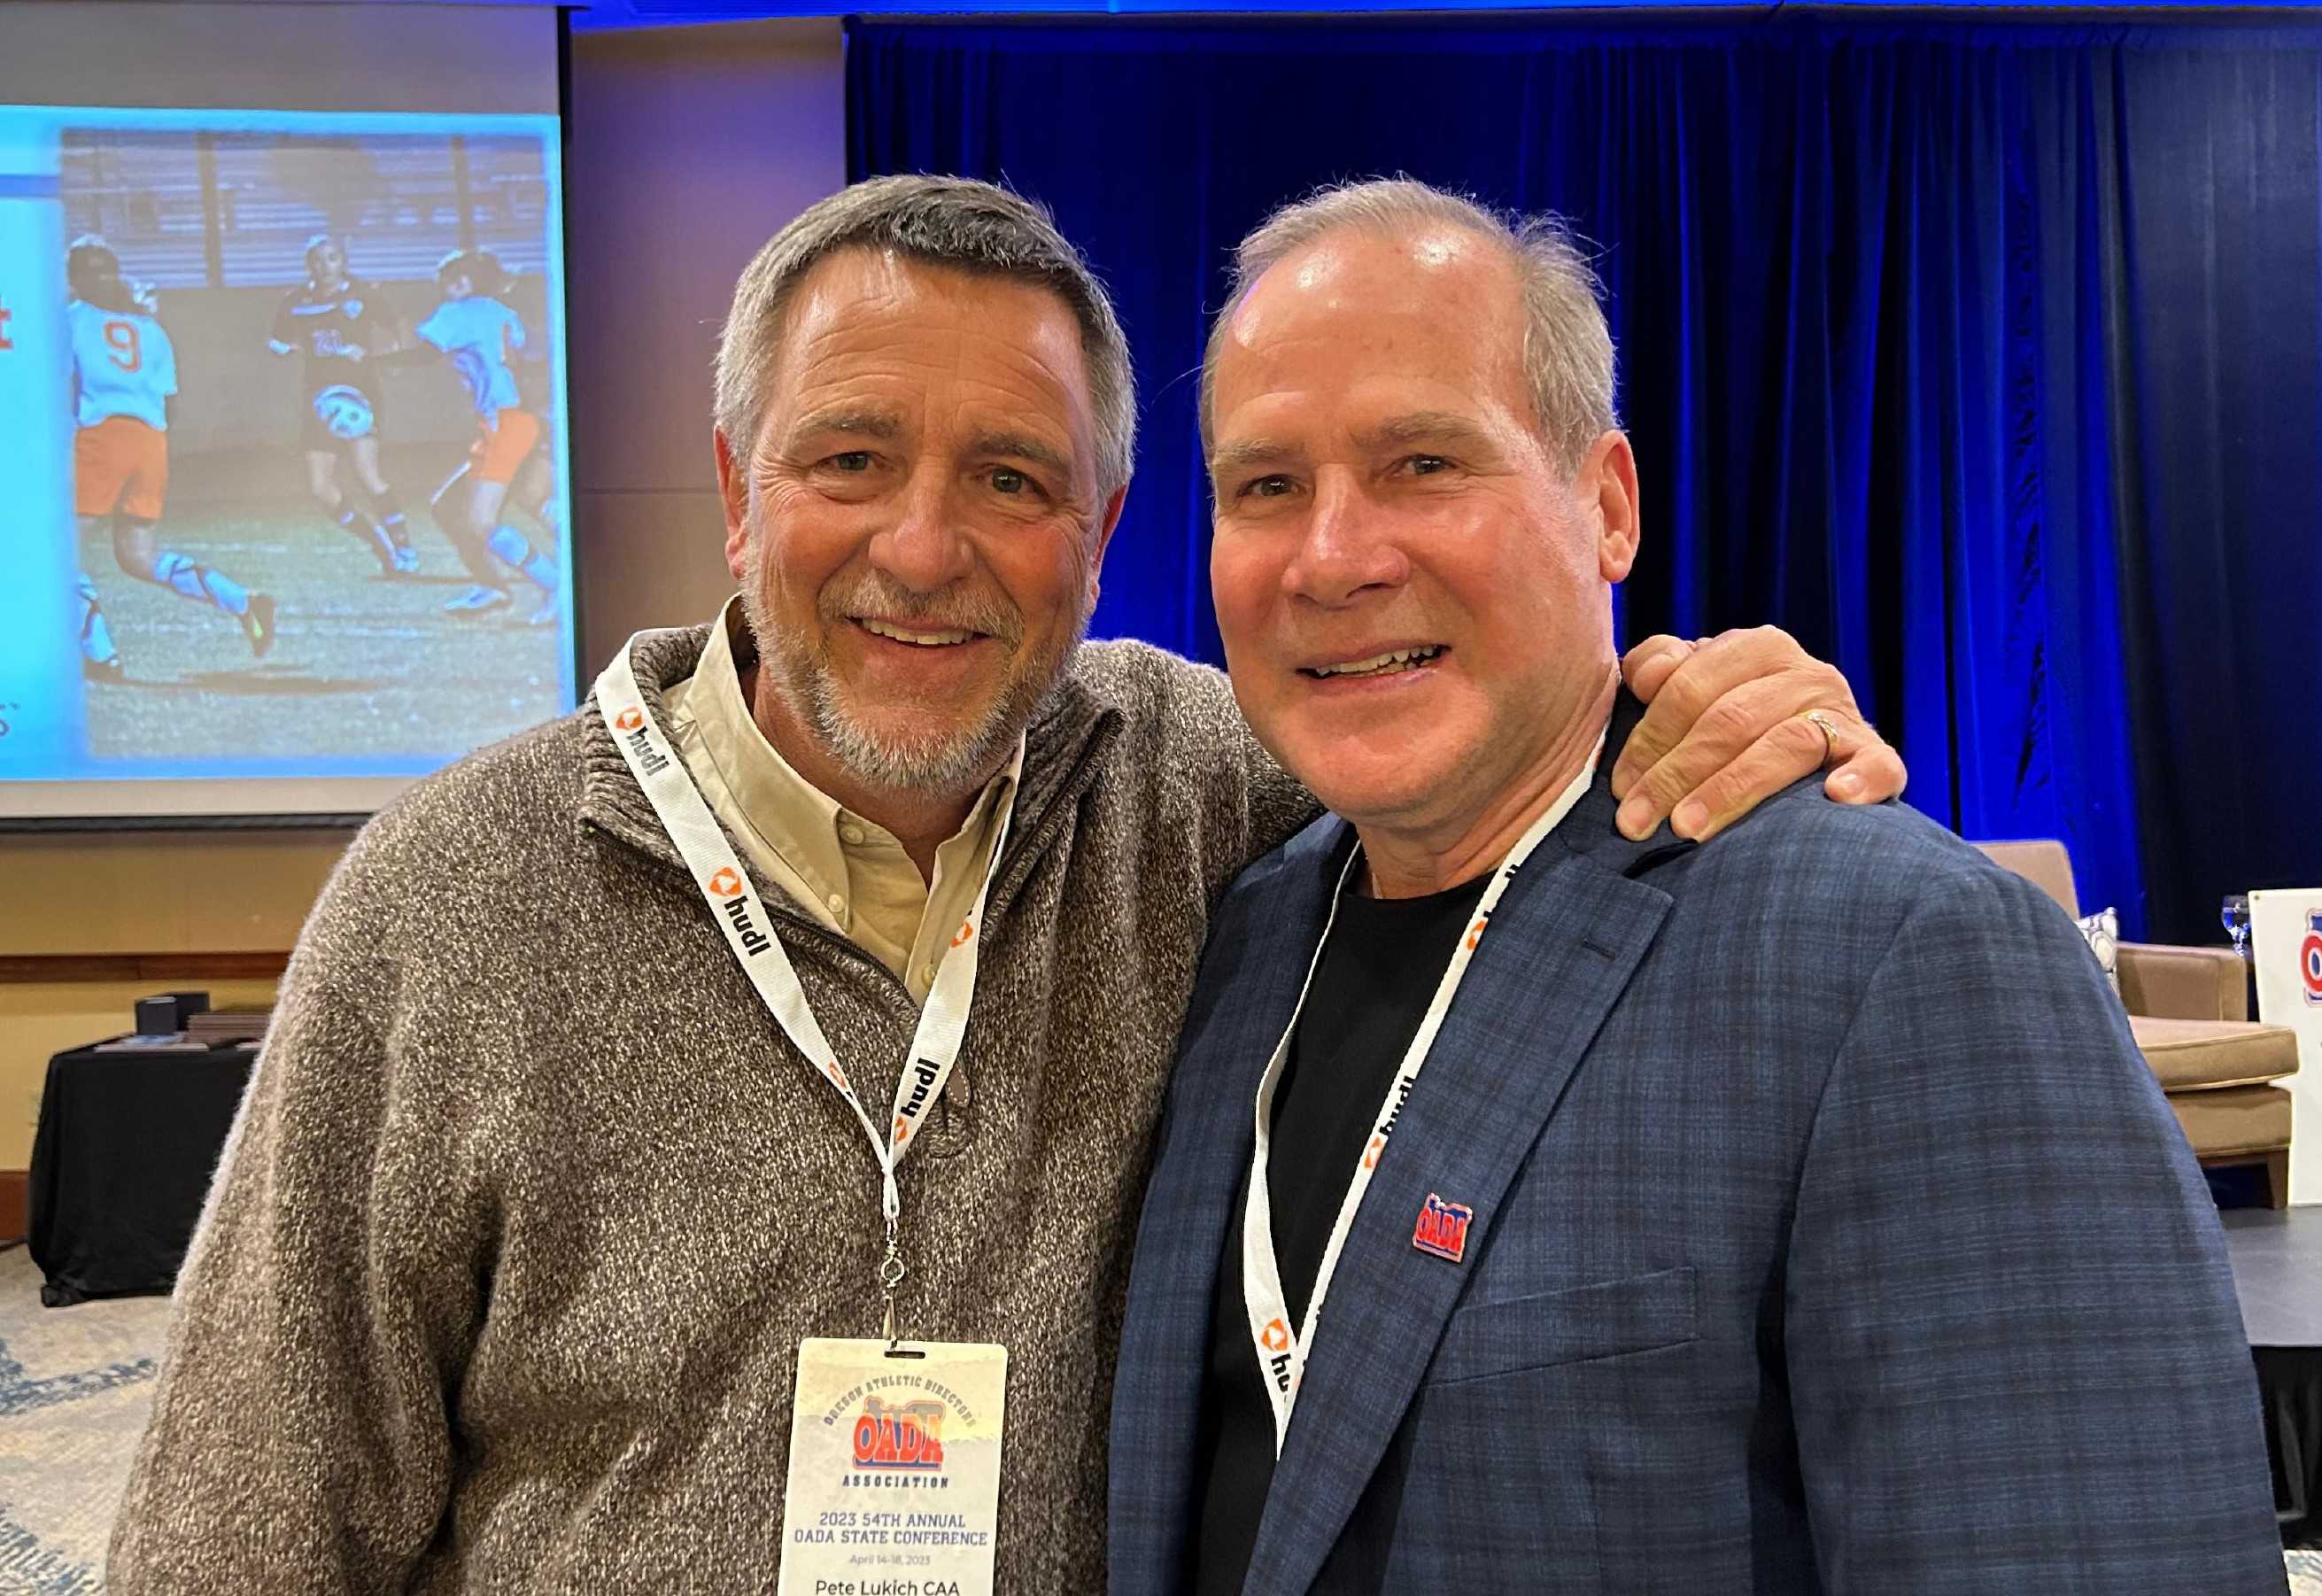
(928, 972)
(837, 904)
(851, 834)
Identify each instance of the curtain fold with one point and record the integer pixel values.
(1984, 356)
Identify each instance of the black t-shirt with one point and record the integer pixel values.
(1383, 962)
(322, 324)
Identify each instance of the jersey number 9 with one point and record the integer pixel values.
(121, 338)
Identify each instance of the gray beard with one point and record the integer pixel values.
(950, 759)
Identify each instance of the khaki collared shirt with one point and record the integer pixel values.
(848, 872)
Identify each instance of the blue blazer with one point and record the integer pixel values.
(1830, 1234)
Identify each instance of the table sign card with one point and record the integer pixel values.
(2286, 939)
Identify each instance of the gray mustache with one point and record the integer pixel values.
(965, 611)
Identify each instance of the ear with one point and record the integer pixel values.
(1609, 475)
(1104, 539)
(734, 493)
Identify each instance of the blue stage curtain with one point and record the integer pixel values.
(1982, 355)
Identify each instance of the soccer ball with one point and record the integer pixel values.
(345, 411)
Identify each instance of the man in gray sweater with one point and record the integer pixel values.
(544, 1177)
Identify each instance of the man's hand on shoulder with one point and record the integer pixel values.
(1726, 727)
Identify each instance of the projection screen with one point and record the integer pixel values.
(282, 440)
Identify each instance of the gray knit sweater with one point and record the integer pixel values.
(501, 1284)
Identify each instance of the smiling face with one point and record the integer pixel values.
(918, 524)
(1414, 599)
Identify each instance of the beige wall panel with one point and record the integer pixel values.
(191, 892)
(689, 148)
(647, 560)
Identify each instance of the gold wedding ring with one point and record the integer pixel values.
(1821, 722)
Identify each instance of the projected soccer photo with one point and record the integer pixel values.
(317, 508)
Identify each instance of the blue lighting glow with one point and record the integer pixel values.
(603, 15)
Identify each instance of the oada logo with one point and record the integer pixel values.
(907, 1436)
(2309, 958)
(630, 720)
(1442, 1228)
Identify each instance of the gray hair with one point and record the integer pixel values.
(958, 223)
(1568, 348)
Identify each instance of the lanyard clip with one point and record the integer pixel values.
(891, 1270)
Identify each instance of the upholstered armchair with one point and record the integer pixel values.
(2189, 1010)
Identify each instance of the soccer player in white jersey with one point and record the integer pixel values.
(124, 372)
(485, 340)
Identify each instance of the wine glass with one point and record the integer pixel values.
(2234, 915)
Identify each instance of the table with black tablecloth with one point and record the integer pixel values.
(122, 1159)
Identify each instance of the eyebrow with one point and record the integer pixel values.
(1247, 452)
(1425, 426)
(1419, 426)
(1023, 446)
(857, 423)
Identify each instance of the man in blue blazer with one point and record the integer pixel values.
(1542, 1210)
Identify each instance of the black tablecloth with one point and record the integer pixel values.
(121, 1162)
(2289, 1384)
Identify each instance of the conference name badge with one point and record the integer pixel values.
(894, 1476)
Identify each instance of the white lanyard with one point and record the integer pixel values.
(1282, 1352)
(735, 905)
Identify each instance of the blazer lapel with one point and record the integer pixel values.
(1562, 945)
(1251, 976)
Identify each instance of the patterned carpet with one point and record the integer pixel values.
(75, 1384)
